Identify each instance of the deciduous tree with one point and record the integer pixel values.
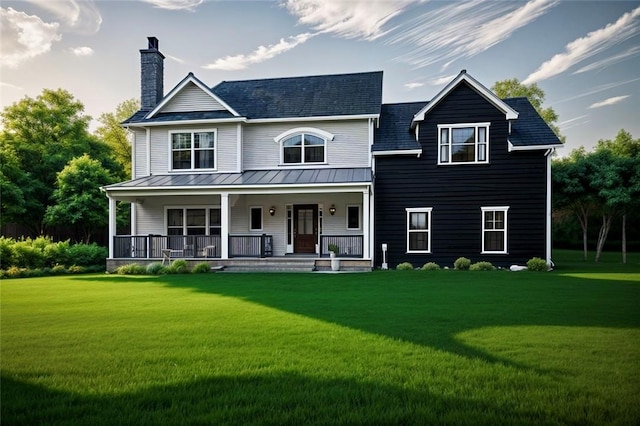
(78, 198)
(512, 88)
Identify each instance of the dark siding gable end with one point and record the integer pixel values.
(456, 193)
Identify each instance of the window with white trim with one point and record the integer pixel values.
(463, 143)
(419, 230)
(304, 148)
(494, 229)
(193, 150)
(255, 218)
(353, 217)
(193, 221)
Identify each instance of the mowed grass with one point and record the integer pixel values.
(387, 347)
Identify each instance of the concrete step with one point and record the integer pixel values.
(269, 266)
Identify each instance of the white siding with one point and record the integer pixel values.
(225, 149)
(350, 147)
(192, 98)
(151, 213)
(140, 152)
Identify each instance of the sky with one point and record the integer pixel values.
(585, 55)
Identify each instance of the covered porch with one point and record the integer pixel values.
(260, 214)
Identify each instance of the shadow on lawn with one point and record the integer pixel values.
(273, 399)
(431, 309)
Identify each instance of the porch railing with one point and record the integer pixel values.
(250, 245)
(190, 246)
(152, 246)
(348, 245)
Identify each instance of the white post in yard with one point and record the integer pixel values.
(224, 232)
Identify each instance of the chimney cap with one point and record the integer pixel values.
(153, 43)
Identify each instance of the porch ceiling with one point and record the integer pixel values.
(252, 179)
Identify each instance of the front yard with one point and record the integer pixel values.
(392, 347)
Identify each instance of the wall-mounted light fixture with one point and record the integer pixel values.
(272, 210)
(332, 209)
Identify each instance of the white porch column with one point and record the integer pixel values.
(366, 225)
(224, 232)
(112, 225)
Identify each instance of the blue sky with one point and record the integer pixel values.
(585, 55)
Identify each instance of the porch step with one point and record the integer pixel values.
(269, 265)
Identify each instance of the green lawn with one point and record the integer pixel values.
(388, 347)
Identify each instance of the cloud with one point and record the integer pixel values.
(363, 19)
(573, 122)
(609, 101)
(412, 86)
(82, 51)
(75, 15)
(23, 36)
(461, 30)
(261, 54)
(189, 5)
(440, 81)
(604, 63)
(585, 47)
(598, 89)
(10, 86)
(174, 58)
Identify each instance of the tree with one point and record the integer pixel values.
(78, 198)
(112, 133)
(616, 179)
(44, 134)
(13, 201)
(512, 88)
(572, 189)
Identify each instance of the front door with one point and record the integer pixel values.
(305, 228)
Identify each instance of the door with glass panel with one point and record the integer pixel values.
(305, 228)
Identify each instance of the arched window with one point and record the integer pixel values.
(304, 146)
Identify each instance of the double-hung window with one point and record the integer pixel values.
(419, 230)
(463, 143)
(494, 229)
(193, 221)
(193, 150)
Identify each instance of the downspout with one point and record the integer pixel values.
(548, 155)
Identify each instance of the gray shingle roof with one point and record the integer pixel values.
(251, 177)
(311, 96)
(529, 129)
(394, 132)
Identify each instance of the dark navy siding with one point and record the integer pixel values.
(457, 192)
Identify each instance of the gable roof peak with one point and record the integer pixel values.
(463, 76)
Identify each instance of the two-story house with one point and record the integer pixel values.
(258, 168)
(298, 167)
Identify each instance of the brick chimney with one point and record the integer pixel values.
(152, 75)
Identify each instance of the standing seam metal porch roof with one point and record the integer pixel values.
(291, 177)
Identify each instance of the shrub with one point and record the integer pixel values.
(15, 272)
(430, 266)
(131, 269)
(57, 253)
(482, 266)
(178, 266)
(462, 264)
(537, 264)
(156, 268)
(25, 255)
(334, 248)
(88, 254)
(405, 266)
(201, 268)
(59, 269)
(76, 269)
(6, 252)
